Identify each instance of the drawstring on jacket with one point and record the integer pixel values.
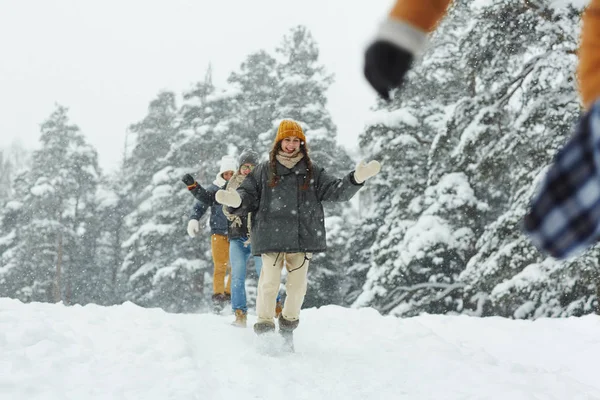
(292, 270)
(276, 258)
(301, 265)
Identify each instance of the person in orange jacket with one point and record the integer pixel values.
(564, 216)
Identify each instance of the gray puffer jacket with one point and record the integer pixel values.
(287, 218)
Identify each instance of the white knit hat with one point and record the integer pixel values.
(228, 163)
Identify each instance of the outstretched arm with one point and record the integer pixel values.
(198, 211)
(193, 226)
(205, 196)
(330, 188)
(400, 38)
(421, 14)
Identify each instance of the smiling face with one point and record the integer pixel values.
(246, 168)
(227, 175)
(290, 144)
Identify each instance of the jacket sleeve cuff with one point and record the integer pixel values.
(232, 210)
(353, 180)
(403, 35)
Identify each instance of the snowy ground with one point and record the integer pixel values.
(127, 352)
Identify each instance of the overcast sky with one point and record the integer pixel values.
(106, 60)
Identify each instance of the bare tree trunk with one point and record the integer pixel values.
(472, 84)
(75, 219)
(597, 294)
(59, 260)
(115, 269)
(125, 150)
(117, 256)
(67, 286)
(199, 282)
(116, 264)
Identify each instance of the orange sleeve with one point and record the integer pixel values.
(422, 14)
(588, 70)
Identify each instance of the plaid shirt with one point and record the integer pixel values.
(564, 218)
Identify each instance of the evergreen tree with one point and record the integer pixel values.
(143, 233)
(13, 159)
(165, 268)
(508, 104)
(113, 204)
(523, 109)
(6, 169)
(253, 121)
(51, 261)
(10, 242)
(412, 268)
(153, 136)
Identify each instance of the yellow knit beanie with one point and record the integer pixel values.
(288, 128)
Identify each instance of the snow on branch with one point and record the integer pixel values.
(392, 119)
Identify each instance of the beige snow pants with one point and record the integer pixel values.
(268, 284)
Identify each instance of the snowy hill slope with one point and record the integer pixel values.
(126, 352)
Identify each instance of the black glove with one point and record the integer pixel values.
(385, 66)
(188, 179)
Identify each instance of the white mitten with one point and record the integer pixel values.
(365, 171)
(193, 227)
(229, 198)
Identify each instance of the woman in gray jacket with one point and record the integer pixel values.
(285, 196)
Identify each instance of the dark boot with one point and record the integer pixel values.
(264, 327)
(286, 330)
(218, 300)
(288, 326)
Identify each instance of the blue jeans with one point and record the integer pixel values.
(238, 257)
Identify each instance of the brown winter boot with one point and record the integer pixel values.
(240, 319)
(264, 327)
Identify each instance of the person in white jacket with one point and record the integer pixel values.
(218, 226)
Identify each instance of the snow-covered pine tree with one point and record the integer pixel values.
(417, 241)
(252, 124)
(524, 108)
(184, 280)
(512, 106)
(50, 223)
(6, 171)
(11, 234)
(13, 159)
(303, 84)
(153, 136)
(164, 266)
(113, 204)
(142, 245)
